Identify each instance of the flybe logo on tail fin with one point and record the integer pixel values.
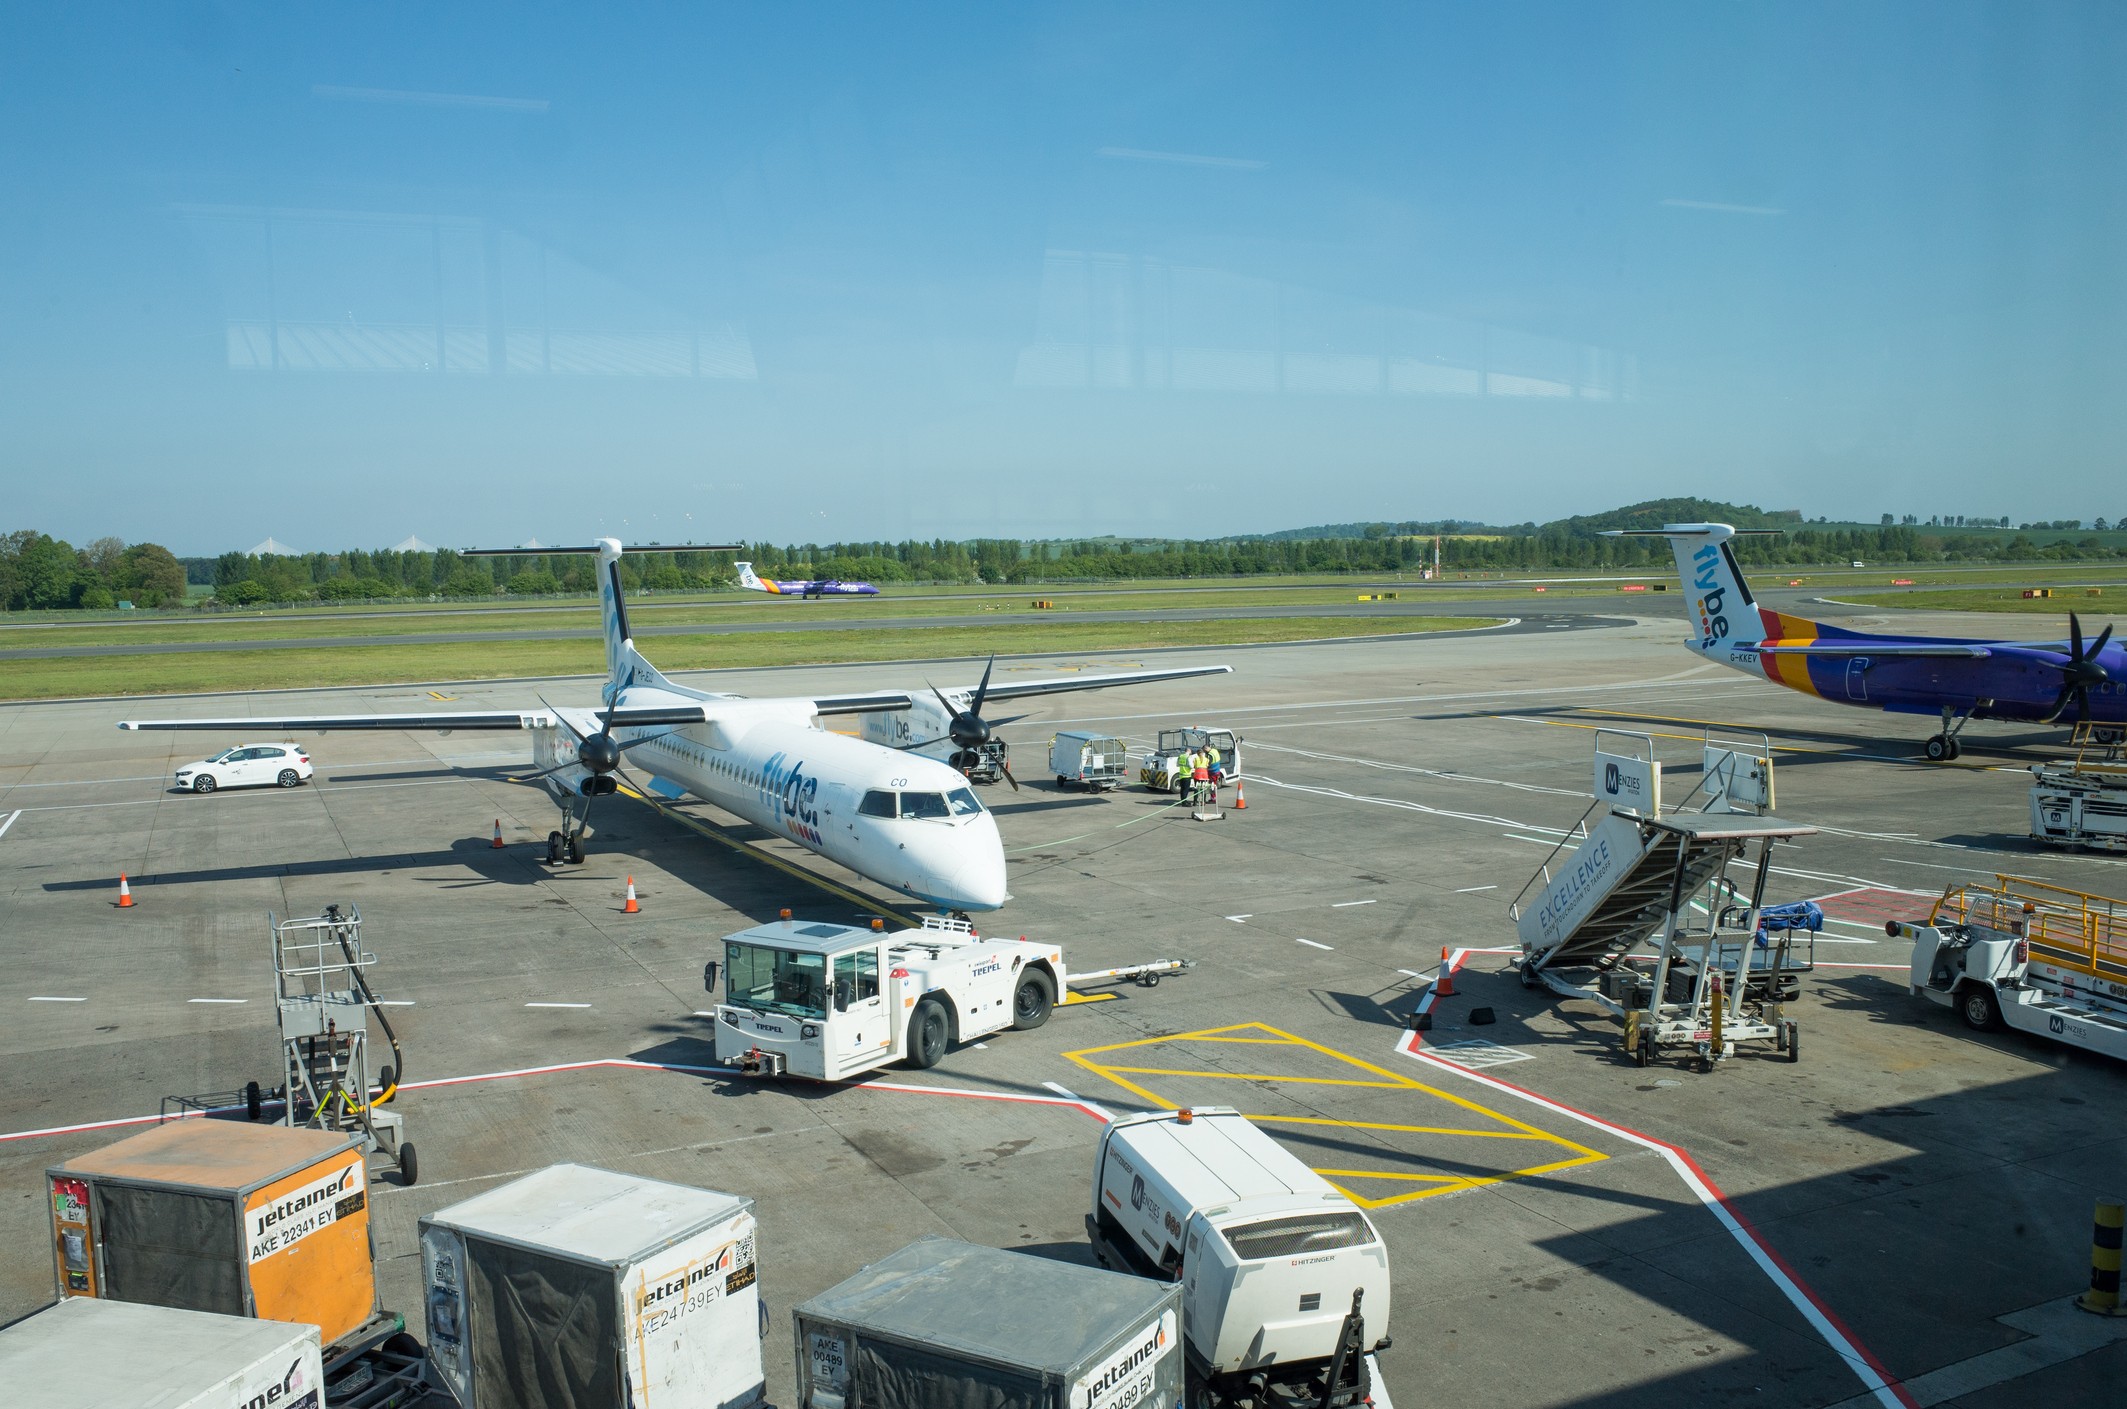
(1713, 602)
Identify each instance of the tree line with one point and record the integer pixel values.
(43, 573)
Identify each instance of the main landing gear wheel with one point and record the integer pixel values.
(204, 783)
(553, 848)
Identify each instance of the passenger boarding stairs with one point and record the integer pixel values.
(1628, 878)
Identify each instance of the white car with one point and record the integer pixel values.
(248, 766)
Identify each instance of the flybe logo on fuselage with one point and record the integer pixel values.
(1713, 625)
(795, 795)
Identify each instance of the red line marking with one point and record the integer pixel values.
(1084, 1107)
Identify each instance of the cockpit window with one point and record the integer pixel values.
(776, 980)
(963, 802)
(877, 804)
(924, 805)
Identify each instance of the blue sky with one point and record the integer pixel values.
(812, 273)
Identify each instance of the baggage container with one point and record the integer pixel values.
(584, 1288)
(221, 1216)
(950, 1325)
(90, 1354)
(1273, 1261)
(1094, 762)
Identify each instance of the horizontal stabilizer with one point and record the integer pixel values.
(1863, 646)
(595, 549)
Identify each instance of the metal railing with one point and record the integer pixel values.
(1577, 832)
(2079, 927)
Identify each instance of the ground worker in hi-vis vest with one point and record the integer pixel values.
(1203, 776)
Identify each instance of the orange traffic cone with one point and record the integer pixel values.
(1240, 794)
(125, 892)
(1444, 987)
(631, 908)
(498, 834)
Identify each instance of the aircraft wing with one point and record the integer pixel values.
(861, 704)
(442, 721)
(1868, 648)
(1024, 688)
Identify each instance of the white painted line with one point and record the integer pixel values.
(59, 1000)
(700, 1014)
(395, 1002)
(217, 1000)
(1413, 973)
(1342, 904)
(1237, 919)
(10, 821)
(557, 1005)
(1870, 1371)
(1070, 1095)
(1474, 1052)
(1468, 889)
(1311, 944)
(2058, 1333)
(982, 1046)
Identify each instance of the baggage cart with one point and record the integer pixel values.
(123, 1355)
(584, 1288)
(950, 1325)
(1094, 762)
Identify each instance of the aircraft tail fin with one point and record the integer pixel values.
(613, 616)
(750, 582)
(1717, 599)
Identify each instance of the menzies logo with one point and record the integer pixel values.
(1706, 579)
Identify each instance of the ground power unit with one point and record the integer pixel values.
(950, 1325)
(580, 1288)
(90, 1354)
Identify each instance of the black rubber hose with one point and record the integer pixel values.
(398, 1071)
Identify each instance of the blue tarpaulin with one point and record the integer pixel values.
(1800, 915)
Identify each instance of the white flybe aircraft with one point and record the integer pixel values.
(908, 822)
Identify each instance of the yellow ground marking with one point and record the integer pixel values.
(1070, 997)
(439, 695)
(1437, 1183)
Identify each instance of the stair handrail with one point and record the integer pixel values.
(1543, 871)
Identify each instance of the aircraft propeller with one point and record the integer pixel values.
(967, 728)
(596, 753)
(2080, 671)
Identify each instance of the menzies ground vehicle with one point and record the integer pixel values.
(1274, 1263)
(1161, 770)
(248, 766)
(831, 1001)
(2033, 957)
(1094, 762)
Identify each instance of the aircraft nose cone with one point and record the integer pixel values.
(979, 884)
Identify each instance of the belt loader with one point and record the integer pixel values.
(2034, 957)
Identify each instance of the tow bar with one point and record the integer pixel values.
(1145, 975)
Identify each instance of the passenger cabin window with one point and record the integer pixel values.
(877, 804)
(963, 802)
(924, 805)
(856, 978)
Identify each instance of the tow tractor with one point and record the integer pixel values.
(2034, 957)
(831, 1001)
(1161, 770)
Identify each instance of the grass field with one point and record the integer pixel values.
(302, 667)
(286, 626)
(2001, 599)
